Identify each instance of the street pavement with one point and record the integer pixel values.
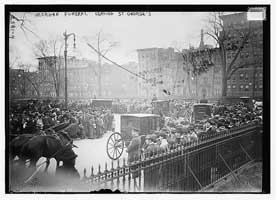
(92, 152)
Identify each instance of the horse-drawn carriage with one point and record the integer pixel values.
(144, 123)
(161, 106)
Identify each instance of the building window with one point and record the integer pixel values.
(229, 86)
(241, 75)
(241, 87)
(260, 74)
(260, 86)
(246, 76)
(233, 86)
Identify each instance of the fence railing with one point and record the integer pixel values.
(190, 167)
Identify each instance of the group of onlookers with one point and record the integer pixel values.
(178, 130)
(36, 116)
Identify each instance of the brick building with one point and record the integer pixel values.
(247, 81)
(166, 69)
(81, 76)
(163, 70)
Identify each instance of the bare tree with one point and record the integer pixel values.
(232, 40)
(103, 46)
(195, 63)
(50, 50)
(31, 80)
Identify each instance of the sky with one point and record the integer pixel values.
(154, 29)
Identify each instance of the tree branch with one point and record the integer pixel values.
(229, 74)
(236, 55)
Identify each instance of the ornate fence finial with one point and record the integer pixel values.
(84, 173)
(99, 169)
(112, 165)
(92, 171)
(105, 167)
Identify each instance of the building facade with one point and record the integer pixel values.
(167, 70)
(248, 80)
(162, 70)
(82, 79)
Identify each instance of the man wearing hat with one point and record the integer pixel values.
(164, 145)
(150, 146)
(133, 148)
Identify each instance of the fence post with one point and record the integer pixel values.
(105, 175)
(129, 176)
(124, 173)
(92, 176)
(112, 171)
(99, 176)
(118, 174)
(84, 175)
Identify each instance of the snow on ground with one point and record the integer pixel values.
(92, 152)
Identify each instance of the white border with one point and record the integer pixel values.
(136, 196)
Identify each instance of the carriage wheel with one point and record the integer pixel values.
(115, 146)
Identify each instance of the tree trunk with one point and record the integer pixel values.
(196, 79)
(213, 83)
(224, 74)
(224, 83)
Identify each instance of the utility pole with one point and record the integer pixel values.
(66, 36)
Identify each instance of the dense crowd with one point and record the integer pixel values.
(177, 130)
(32, 117)
(35, 116)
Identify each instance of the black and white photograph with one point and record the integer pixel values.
(137, 99)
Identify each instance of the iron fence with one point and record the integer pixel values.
(190, 167)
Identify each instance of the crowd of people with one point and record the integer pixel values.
(36, 116)
(177, 130)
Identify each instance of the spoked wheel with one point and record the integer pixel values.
(115, 146)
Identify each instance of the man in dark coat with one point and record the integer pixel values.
(134, 151)
(133, 148)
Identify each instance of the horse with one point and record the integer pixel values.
(16, 144)
(48, 146)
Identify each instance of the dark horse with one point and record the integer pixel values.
(58, 146)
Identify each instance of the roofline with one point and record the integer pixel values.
(229, 15)
(154, 48)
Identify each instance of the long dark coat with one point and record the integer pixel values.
(133, 149)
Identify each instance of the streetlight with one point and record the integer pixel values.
(66, 36)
